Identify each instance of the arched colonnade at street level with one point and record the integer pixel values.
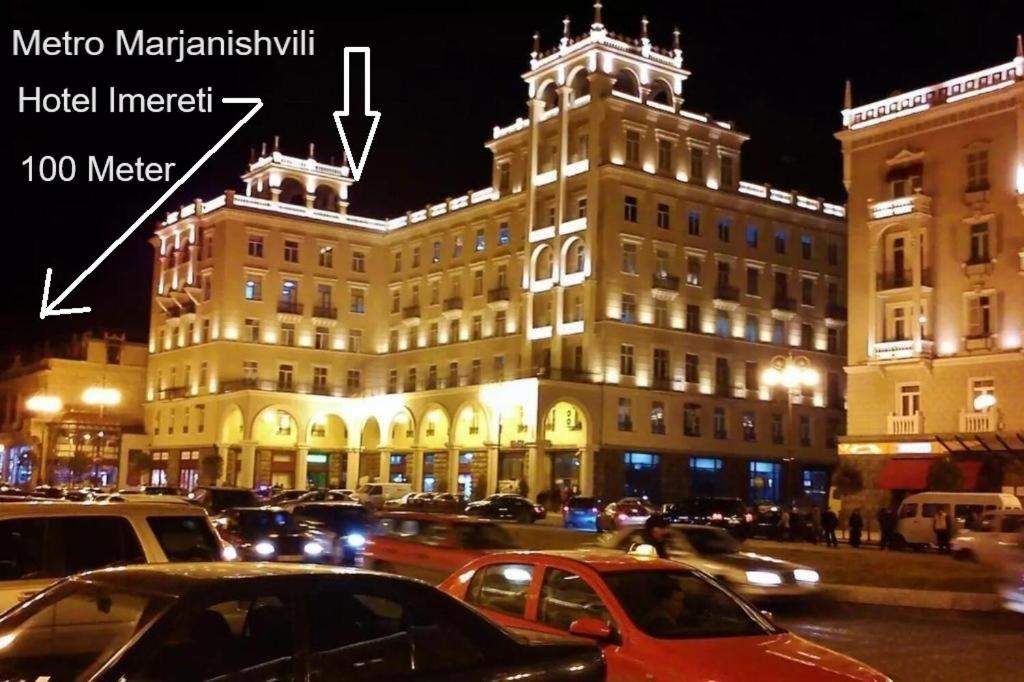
(465, 444)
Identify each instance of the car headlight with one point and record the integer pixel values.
(313, 548)
(228, 553)
(806, 575)
(263, 548)
(355, 540)
(763, 578)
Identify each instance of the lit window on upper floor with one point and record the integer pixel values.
(978, 248)
(358, 301)
(457, 247)
(629, 253)
(780, 242)
(480, 242)
(806, 247)
(630, 209)
(628, 311)
(581, 207)
(752, 235)
(724, 229)
(254, 288)
(325, 258)
(693, 224)
(503, 236)
(355, 340)
(694, 270)
(435, 255)
(632, 146)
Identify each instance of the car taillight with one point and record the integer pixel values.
(623, 517)
(749, 517)
(595, 510)
(716, 517)
(565, 510)
(540, 509)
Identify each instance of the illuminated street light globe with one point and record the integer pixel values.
(44, 404)
(101, 395)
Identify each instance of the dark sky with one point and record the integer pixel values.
(442, 77)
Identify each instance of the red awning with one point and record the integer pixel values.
(905, 474)
(970, 470)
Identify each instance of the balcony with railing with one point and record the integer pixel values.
(903, 349)
(498, 298)
(288, 307)
(834, 311)
(979, 422)
(325, 312)
(411, 315)
(784, 303)
(727, 293)
(173, 392)
(664, 285)
(901, 279)
(918, 204)
(905, 424)
(451, 308)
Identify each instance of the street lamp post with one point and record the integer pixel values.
(102, 397)
(794, 373)
(44, 406)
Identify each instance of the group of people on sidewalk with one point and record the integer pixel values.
(823, 526)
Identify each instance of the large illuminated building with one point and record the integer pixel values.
(72, 414)
(599, 316)
(936, 188)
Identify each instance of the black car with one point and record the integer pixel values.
(347, 520)
(723, 512)
(273, 534)
(216, 499)
(506, 508)
(269, 622)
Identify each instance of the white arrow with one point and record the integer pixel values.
(357, 166)
(48, 309)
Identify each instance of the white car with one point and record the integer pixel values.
(717, 553)
(998, 540)
(41, 542)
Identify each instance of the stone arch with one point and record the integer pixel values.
(548, 94)
(627, 83)
(661, 92)
(579, 83)
(327, 431)
(370, 439)
(434, 428)
(574, 255)
(542, 265)
(470, 426)
(275, 426)
(292, 192)
(325, 198)
(402, 430)
(566, 423)
(232, 426)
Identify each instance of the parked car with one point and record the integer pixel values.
(430, 546)
(400, 502)
(716, 552)
(447, 503)
(48, 491)
(375, 495)
(629, 511)
(217, 499)
(153, 490)
(506, 507)
(349, 521)
(335, 495)
(655, 619)
(41, 542)
(723, 512)
(917, 512)
(287, 496)
(581, 512)
(269, 621)
(273, 534)
(998, 540)
(767, 520)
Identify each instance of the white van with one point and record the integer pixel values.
(374, 495)
(917, 512)
(41, 542)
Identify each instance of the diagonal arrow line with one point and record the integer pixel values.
(47, 309)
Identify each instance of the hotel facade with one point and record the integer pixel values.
(936, 207)
(599, 316)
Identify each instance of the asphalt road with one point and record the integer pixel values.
(917, 645)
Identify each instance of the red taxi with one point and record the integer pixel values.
(430, 546)
(655, 619)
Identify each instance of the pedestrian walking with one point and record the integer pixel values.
(829, 523)
(783, 526)
(815, 524)
(795, 525)
(856, 525)
(940, 524)
(885, 527)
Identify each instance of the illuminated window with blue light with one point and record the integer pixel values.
(765, 481)
(481, 240)
(752, 236)
(503, 234)
(707, 478)
(254, 289)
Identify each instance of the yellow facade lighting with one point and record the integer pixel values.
(101, 395)
(44, 404)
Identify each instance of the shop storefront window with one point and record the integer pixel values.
(643, 476)
(707, 478)
(765, 481)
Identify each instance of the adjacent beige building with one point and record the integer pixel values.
(598, 316)
(936, 188)
(73, 414)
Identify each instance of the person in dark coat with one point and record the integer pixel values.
(795, 526)
(886, 526)
(856, 525)
(815, 524)
(656, 532)
(829, 523)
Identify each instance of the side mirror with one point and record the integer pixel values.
(592, 628)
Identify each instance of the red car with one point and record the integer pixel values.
(655, 619)
(430, 546)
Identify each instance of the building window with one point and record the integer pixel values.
(665, 155)
(779, 332)
(692, 368)
(718, 424)
(694, 266)
(979, 388)
(806, 246)
(254, 288)
(693, 224)
(625, 414)
(291, 251)
(727, 172)
(658, 418)
(626, 367)
(833, 253)
(353, 380)
(749, 426)
(355, 340)
(358, 301)
(696, 164)
(723, 377)
(398, 262)
(807, 291)
(500, 323)
(453, 331)
(629, 251)
(392, 381)
(765, 481)
(255, 246)
(410, 380)
(200, 418)
(503, 237)
(806, 336)
(284, 377)
(723, 323)
(481, 241)
(691, 419)
(581, 207)
(396, 300)
(287, 334)
(660, 313)
(979, 316)
(750, 378)
(457, 247)
(661, 364)
(415, 256)
(805, 430)
(724, 229)
(504, 178)
(498, 367)
(319, 380)
(832, 340)
(250, 371)
(325, 258)
(752, 236)
(632, 146)
(628, 313)
(358, 261)
(692, 317)
(478, 282)
(753, 281)
(477, 329)
(431, 377)
(979, 244)
(629, 209)
(750, 328)
(777, 429)
(252, 330)
(780, 242)
(320, 338)
(977, 170)
(663, 216)
(706, 477)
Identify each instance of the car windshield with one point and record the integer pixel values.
(670, 604)
(185, 538)
(483, 536)
(225, 499)
(710, 541)
(265, 520)
(333, 516)
(72, 630)
(582, 502)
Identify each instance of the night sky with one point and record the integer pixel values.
(442, 77)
